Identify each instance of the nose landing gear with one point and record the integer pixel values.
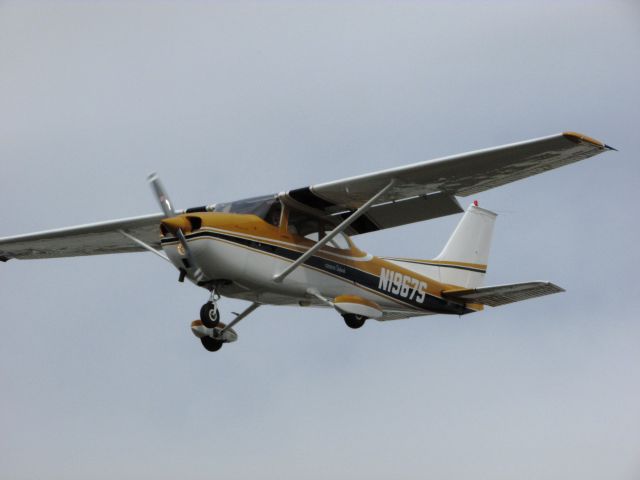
(209, 313)
(211, 331)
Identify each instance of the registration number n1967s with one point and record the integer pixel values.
(405, 286)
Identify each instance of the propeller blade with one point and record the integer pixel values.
(168, 210)
(187, 253)
(161, 195)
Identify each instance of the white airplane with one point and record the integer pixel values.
(293, 248)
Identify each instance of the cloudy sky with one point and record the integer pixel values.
(100, 376)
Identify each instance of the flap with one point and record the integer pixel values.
(403, 212)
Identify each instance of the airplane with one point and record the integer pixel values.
(295, 247)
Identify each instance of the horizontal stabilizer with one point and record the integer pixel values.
(503, 294)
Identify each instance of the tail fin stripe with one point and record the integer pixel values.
(459, 267)
(438, 264)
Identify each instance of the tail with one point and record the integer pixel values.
(463, 261)
(465, 256)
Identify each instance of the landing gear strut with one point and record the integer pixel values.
(354, 321)
(209, 314)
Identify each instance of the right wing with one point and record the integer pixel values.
(91, 239)
(427, 189)
(503, 294)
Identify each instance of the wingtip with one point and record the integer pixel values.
(579, 137)
(557, 288)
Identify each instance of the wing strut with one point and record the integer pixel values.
(144, 245)
(240, 316)
(340, 228)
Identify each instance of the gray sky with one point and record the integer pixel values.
(100, 376)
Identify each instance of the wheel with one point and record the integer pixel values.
(209, 315)
(211, 344)
(354, 321)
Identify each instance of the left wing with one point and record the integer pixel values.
(91, 239)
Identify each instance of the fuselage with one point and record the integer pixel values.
(240, 254)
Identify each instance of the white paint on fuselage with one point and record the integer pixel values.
(252, 271)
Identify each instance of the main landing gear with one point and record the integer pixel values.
(354, 321)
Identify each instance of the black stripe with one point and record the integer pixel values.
(346, 272)
(307, 197)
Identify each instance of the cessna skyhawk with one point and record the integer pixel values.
(294, 247)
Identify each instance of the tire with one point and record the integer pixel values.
(354, 321)
(209, 315)
(211, 344)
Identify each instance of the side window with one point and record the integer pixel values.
(308, 228)
(315, 229)
(313, 236)
(340, 241)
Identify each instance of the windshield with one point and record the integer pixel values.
(259, 206)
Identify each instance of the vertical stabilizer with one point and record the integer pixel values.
(467, 251)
